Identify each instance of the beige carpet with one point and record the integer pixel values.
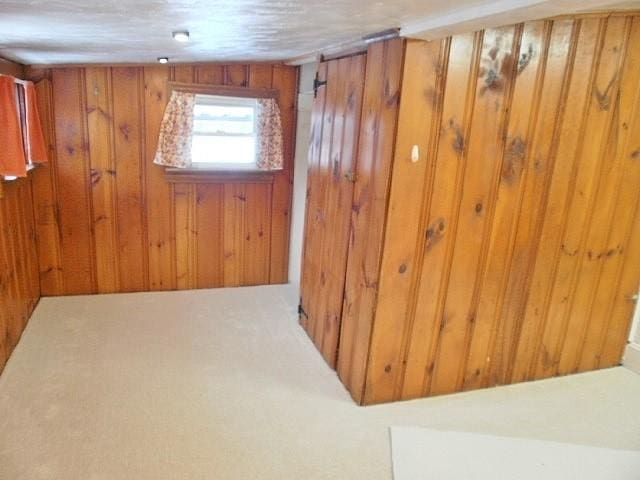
(425, 454)
(223, 384)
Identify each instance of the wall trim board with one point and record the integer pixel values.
(632, 357)
(232, 91)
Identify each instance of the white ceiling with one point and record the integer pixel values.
(130, 31)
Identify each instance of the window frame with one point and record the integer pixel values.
(220, 173)
(220, 100)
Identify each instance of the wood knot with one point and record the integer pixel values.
(434, 233)
(403, 268)
(525, 59)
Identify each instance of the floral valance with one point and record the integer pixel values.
(174, 142)
(177, 129)
(270, 155)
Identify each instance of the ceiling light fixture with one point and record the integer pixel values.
(163, 60)
(181, 36)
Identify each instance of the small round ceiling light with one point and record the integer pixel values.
(181, 36)
(163, 60)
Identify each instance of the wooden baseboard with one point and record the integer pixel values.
(632, 357)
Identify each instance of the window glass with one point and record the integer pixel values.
(224, 131)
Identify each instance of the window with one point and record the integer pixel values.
(224, 132)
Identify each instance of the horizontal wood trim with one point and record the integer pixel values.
(174, 175)
(224, 90)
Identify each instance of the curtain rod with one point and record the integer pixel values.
(16, 80)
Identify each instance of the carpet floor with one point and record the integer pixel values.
(224, 384)
(425, 454)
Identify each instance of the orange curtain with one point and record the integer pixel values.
(12, 157)
(37, 145)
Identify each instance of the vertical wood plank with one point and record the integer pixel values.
(256, 234)
(160, 225)
(235, 198)
(540, 158)
(46, 211)
(604, 93)
(483, 145)
(209, 74)
(419, 113)
(128, 92)
(285, 80)
(538, 353)
(210, 247)
(596, 123)
(613, 212)
(236, 75)
(373, 175)
(526, 91)
(99, 118)
(439, 224)
(186, 230)
(74, 202)
(260, 76)
(310, 266)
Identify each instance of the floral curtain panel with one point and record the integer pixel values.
(174, 142)
(176, 132)
(270, 155)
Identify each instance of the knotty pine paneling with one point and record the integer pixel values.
(19, 285)
(370, 197)
(107, 219)
(510, 248)
(332, 164)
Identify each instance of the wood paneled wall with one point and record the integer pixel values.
(19, 285)
(373, 172)
(332, 173)
(511, 248)
(108, 220)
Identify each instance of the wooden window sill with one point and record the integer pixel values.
(195, 175)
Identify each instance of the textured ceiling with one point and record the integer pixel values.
(76, 31)
(139, 31)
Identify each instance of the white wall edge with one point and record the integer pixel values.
(632, 357)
